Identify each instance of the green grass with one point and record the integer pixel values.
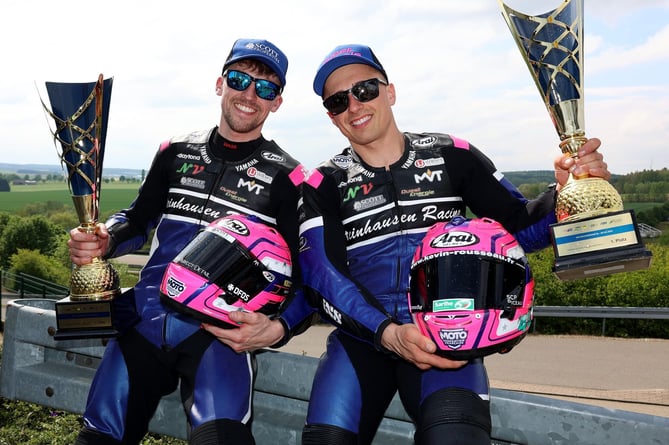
(113, 196)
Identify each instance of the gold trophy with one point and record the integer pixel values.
(80, 112)
(594, 234)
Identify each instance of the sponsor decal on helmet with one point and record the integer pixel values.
(235, 226)
(237, 292)
(453, 304)
(453, 338)
(454, 238)
(174, 287)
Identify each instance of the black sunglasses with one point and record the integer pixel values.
(363, 91)
(240, 81)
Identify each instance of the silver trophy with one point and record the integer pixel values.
(594, 234)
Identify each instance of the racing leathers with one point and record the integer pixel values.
(359, 229)
(193, 180)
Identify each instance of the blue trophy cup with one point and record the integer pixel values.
(80, 112)
(594, 235)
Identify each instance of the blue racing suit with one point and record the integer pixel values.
(359, 230)
(193, 180)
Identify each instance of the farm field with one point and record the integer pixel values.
(117, 195)
(114, 196)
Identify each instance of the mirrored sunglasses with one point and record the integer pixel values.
(363, 91)
(238, 80)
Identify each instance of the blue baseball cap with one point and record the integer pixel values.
(345, 55)
(261, 50)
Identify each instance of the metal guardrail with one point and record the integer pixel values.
(37, 369)
(646, 313)
(23, 285)
(601, 312)
(26, 285)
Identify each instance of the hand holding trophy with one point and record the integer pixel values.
(594, 234)
(80, 112)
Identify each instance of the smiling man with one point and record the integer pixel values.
(365, 212)
(195, 179)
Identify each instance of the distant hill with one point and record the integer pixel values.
(516, 177)
(54, 169)
(533, 176)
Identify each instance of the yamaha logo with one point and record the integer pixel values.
(235, 226)
(454, 238)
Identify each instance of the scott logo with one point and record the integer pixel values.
(454, 239)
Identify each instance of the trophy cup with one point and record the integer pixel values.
(594, 235)
(80, 112)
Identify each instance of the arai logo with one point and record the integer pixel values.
(235, 226)
(454, 238)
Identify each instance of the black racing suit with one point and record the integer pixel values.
(192, 181)
(360, 228)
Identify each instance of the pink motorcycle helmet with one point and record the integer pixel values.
(235, 264)
(471, 288)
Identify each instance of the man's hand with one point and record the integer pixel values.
(255, 331)
(86, 246)
(589, 162)
(407, 342)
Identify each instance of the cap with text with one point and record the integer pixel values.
(261, 50)
(345, 55)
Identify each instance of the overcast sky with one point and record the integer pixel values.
(454, 64)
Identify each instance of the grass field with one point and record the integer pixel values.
(114, 196)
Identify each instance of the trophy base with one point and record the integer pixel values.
(599, 245)
(84, 319)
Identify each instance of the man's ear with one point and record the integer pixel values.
(390, 92)
(276, 103)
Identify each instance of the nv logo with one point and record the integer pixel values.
(353, 191)
(186, 167)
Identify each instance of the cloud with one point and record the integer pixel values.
(454, 65)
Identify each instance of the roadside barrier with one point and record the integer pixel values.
(35, 368)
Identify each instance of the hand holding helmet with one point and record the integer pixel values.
(235, 264)
(471, 288)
